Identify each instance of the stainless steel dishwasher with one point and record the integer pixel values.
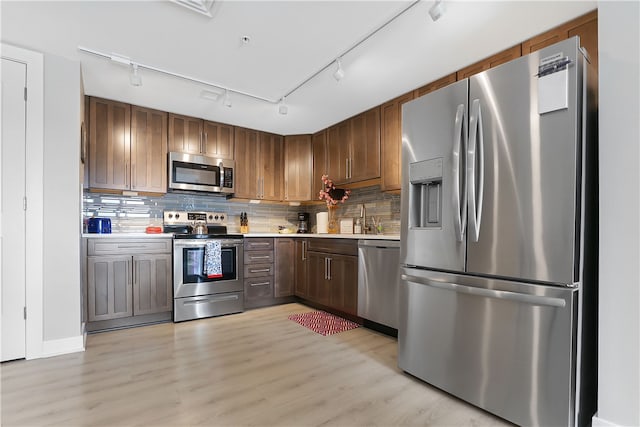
(378, 281)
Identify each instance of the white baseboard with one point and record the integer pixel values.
(62, 346)
(600, 422)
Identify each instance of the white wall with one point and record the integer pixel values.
(61, 280)
(619, 156)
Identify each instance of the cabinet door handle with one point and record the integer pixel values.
(134, 178)
(129, 272)
(329, 269)
(304, 250)
(346, 168)
(260, 284)
(127, 172)
(206, 142)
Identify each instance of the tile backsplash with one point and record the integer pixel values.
(132, 214)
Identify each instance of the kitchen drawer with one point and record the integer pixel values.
(128, 246)
(334, 246)
(258, 244)
(259, 287)
(258, 270)
(258, 257)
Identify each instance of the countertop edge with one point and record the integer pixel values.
(248, 235)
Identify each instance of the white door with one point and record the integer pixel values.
(12, 228)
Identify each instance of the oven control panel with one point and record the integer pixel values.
(189, 218)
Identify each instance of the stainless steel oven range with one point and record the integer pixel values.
(197, 294)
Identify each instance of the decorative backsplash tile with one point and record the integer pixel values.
(132, 214)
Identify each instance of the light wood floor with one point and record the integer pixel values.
(254, 368)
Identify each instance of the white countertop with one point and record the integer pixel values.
(309, 235)
(128, 235)
(329, 236)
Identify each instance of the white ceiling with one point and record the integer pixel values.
(290, 41)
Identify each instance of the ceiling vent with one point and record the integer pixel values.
(200, 6)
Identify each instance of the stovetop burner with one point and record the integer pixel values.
(182, 223)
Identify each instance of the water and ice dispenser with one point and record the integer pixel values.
(425, 194)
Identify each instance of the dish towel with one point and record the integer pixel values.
(213, 259)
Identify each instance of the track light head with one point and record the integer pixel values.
(282, 107)
(227, 99)
(339, 73)
(437, 10)
(135, 78)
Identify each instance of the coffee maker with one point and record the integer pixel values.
(303, 222)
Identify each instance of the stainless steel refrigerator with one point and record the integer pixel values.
(498, 239)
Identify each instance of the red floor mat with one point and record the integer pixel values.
(323, 323)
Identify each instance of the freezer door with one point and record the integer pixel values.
(523, 169)
(503, 346)
(434, 133)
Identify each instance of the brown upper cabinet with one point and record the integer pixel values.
(391, 143)
(127, 147)
(585, 26)
(148, 150)
(440, 83)
(197, 136)
(298, 166)
(353, 148)
(246, 155)
(109, 145)
(490, 62)
(259, 165)
(319, 145)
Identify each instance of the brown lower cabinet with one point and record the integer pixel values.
(332, 274)
(128, 282)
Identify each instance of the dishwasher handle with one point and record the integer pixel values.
(373, 243)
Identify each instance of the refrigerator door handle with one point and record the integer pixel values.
(475, 152)
(488, 293)
(459, 194)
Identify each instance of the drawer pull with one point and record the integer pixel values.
(260, 284)
(261, 257)
(132, 246)
(260, 244)
(262, 270)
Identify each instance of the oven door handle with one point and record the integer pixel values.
(201, 244)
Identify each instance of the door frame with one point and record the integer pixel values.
(34, 193)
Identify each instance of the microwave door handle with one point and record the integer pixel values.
(221, 167)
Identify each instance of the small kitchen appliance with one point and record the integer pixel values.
(198, 294)
(99, 225)
(303, 222)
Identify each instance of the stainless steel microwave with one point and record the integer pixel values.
(191, 172)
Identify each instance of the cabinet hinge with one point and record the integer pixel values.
(24, 203)
(25, 94)
(25, 313)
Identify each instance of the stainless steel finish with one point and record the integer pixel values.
(475, 157)
(511, 357)
(200, 160)
(182, 218)
(428, 133)
(459, 148)
(181, 289)
(506, 317)
(207, 306)
(260, 284)
(489, 293)
(532, 174)
(379, 281)
(329, 268)
(304, 250)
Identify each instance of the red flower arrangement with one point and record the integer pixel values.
(331, 194)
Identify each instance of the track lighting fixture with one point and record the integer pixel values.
(282, 107)
(204, 6)
(339, 73)
(135, 78)
(437, 10)
(227, 99)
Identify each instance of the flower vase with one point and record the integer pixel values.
(332, 226)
